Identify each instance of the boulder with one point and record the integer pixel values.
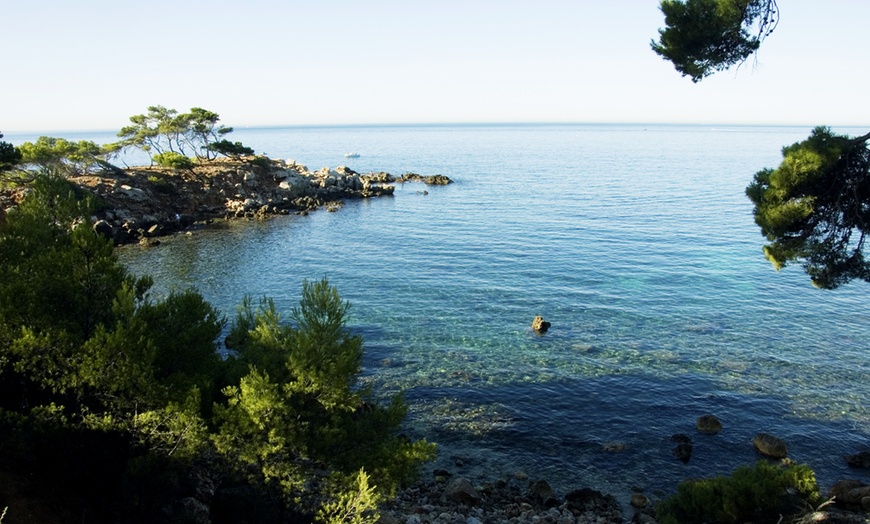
(437, 180)
(539, 325)
(853, 494)
(148, 242)
(683, 449)
(708, 424)
(432, 180)
(541, 491)
(101, 227)
(132, 193)
(586, 499)
(770, 446)
(460, 490)
(639, 500)
(344, 170)
(859, 460)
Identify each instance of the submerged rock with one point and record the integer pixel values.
(770, 446)
(708, 424)
(683, 449)
(859, 460)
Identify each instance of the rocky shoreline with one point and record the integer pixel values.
(141, 204)
(446, 499)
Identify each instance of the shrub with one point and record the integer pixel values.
(162, 185)
(749, 494)
(260, 161)
(298, 408)
(353, 503)
(173, 160)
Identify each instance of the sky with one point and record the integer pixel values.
(91, 64)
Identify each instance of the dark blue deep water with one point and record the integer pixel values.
(636, 242)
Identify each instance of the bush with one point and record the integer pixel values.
(298, 408)
(749, 494)
(260, 161)
(10, 156)
(162, 185)
(173, 160)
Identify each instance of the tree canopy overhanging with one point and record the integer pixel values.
(702, 37)
(815, 207)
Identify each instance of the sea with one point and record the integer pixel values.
(636, 242)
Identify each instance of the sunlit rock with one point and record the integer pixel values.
(539, 325)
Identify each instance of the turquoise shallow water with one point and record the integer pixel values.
(636, 242)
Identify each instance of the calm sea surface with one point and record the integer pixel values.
(636, 242)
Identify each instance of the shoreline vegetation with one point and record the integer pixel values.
(116, 407)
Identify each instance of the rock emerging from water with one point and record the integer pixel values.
(708, 424)
(431, 180)
(859, 460)
(770, 446)
(539, 325)
(683, 449)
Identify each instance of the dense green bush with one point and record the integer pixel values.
(260, 161)
(297, 405)
(162, 185)
(750, 494)
(9, 155)
(173, 160)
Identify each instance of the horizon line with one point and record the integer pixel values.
(44, 132)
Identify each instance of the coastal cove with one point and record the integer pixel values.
(636, 242)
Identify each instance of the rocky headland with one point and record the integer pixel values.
(140, 204)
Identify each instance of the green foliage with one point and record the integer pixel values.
(299, 407)
(76, 329)
(705, 36)
(163, 131)
(59, 278)
(814, 207)
(162, 185)
(204, 131)
(177, 429)
(10, 155)
(354, 502)
(261, 161)
(183, 328)
(173, 160)
(750, 494)
(62, 157)
(230, 149)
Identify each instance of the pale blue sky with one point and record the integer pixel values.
(91, 64)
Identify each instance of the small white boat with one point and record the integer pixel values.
(351, 155)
